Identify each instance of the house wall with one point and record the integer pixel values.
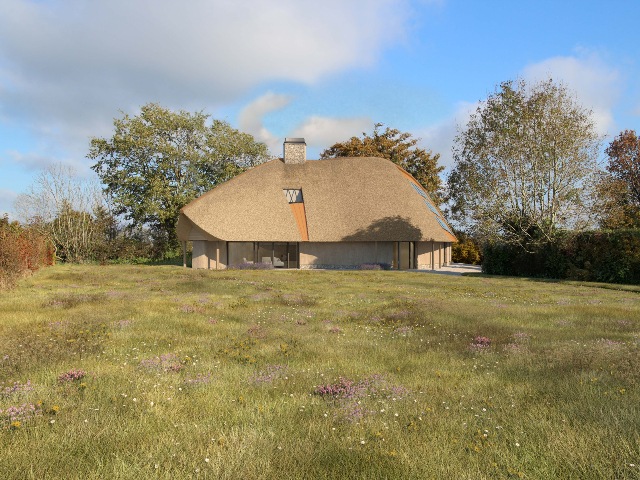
(199, 257)
(344, 254)
(209, 255)
(432, 255)
(424, 255)
(429, 255)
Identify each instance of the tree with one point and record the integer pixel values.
(60, 205)
(398, 147)
(619, 186)
(465, 250)
(524, 165)
(160, 160)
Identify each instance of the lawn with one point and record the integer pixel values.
(163, 372)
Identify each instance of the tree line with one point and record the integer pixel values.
(526, 166)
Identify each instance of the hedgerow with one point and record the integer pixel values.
(599, 256)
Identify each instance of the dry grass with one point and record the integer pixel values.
(160, 372)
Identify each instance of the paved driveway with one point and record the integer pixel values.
(456, 269)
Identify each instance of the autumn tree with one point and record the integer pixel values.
(524, 165)
(619, 186)
(401, 148)
(159, 160)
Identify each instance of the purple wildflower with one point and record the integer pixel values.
(404, 330)
(167, 362)
(71, 376)
(200, 379)
(20, 413)
(16, 388)
(480, 343)
(271, 373)
(251, 266)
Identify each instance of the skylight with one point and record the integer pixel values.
(430, 206)
(293, 195)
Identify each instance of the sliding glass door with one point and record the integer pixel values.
(279, 254)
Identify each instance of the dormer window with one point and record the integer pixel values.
(293, 195)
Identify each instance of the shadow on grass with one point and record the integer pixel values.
(575, 283)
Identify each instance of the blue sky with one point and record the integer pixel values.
(322, 70)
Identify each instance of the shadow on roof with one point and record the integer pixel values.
(394, 228)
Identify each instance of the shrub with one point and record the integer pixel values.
(600, 256)
(374, 266)
(22, 249)
(466, 250)
(370, 266)
(251, 266)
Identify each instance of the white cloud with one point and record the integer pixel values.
(251, 117)
(322, 132)
(33, 161)
(596, 84)
(319, 132)
(439, 137)
(67, 67)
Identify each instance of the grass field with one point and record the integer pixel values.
(163, 372)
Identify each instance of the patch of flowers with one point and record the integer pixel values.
(191, 309)
(257, 331)
(605, 343)
(342, 389)
(521, 337)
(200, 379)
(16, 389)
(515, 349)
(480, 344)
(71, 376)
(519, 344)
(374, 266)
(240, 351)
(269, 374)
(352, 396)
(15, 416)
(403, 331)
(251, 266)
(167, 362)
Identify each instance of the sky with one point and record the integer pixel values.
(325, 71)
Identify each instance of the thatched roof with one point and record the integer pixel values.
(345, 199)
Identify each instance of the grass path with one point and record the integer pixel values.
(163, 372)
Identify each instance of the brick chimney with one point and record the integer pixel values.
(294, 151)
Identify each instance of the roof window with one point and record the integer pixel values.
(293, 195)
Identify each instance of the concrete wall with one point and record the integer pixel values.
(347, 254)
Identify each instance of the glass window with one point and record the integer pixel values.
(293, 255)
(265, 252)
(240, 252)
(404, 255)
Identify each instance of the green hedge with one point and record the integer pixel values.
(606, 256)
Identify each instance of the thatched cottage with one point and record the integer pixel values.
(335, 213)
